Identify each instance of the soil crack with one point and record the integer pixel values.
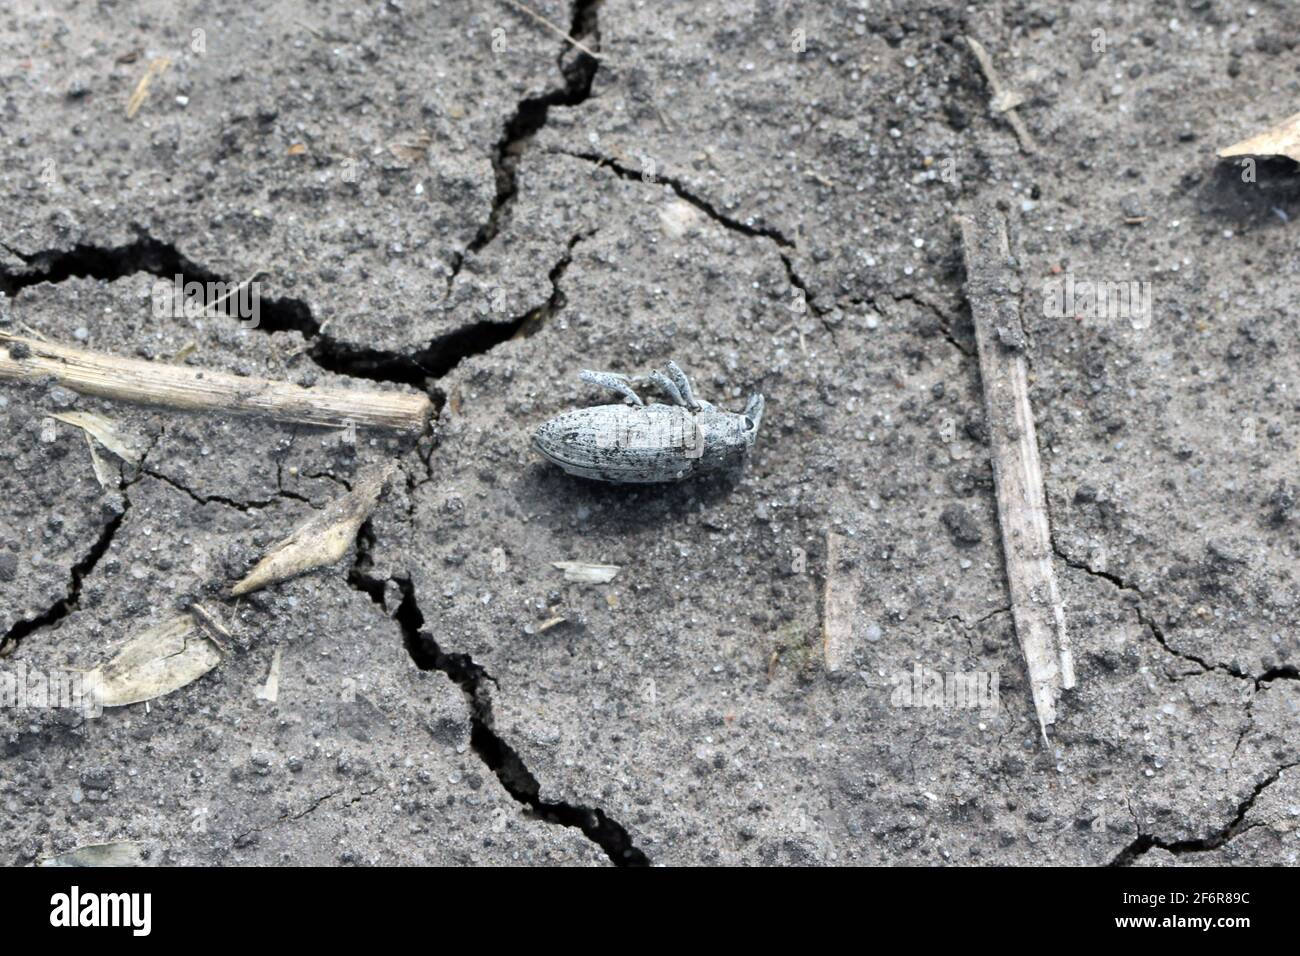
(1284, 672)
(66, 604)
(782, 242)
(221, 499)
(242, 839)
(530, 116)
(497, 755)
(147, 254)
(946, 328)
(706, 207)
(416, 368)
(1233, 829)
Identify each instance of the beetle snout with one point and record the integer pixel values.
(549, 439)
(754, 414)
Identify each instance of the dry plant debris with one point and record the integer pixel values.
(838, 608)
(322, 539)
(584, 572)
(160, 660)
(1005, 100)
(24, 359)
(121, 853)
(155, 69)
(1280, 140)
(993, 289)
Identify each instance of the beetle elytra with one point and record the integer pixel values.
(648, 443)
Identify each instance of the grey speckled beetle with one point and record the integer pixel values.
(647, 443)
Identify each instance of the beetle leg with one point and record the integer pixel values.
(683, 385)
(667, 387)
(613, 381)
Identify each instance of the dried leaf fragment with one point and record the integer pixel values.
(411, 149)
(322, 539)
(99, 854)
(584, 572)
(130, 449)
(1281, 140)
(103, 474)
(162, 659)
(1036, 605)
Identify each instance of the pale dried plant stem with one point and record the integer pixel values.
(992, 287)
(216, 302)
(1002, 94)
(838, 608)
(141, 92)
(176, 386)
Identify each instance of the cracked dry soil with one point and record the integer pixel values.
(455, 200)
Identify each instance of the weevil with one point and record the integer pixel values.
(648, 443)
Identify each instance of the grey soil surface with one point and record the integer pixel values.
(452, 198)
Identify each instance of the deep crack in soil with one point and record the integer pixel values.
(530, 116)
(497, 755)
(417, 368)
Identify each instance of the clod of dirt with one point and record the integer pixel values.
(962, 526)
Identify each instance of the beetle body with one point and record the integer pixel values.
(640, 443)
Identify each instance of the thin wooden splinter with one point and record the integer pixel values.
(25, 359)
